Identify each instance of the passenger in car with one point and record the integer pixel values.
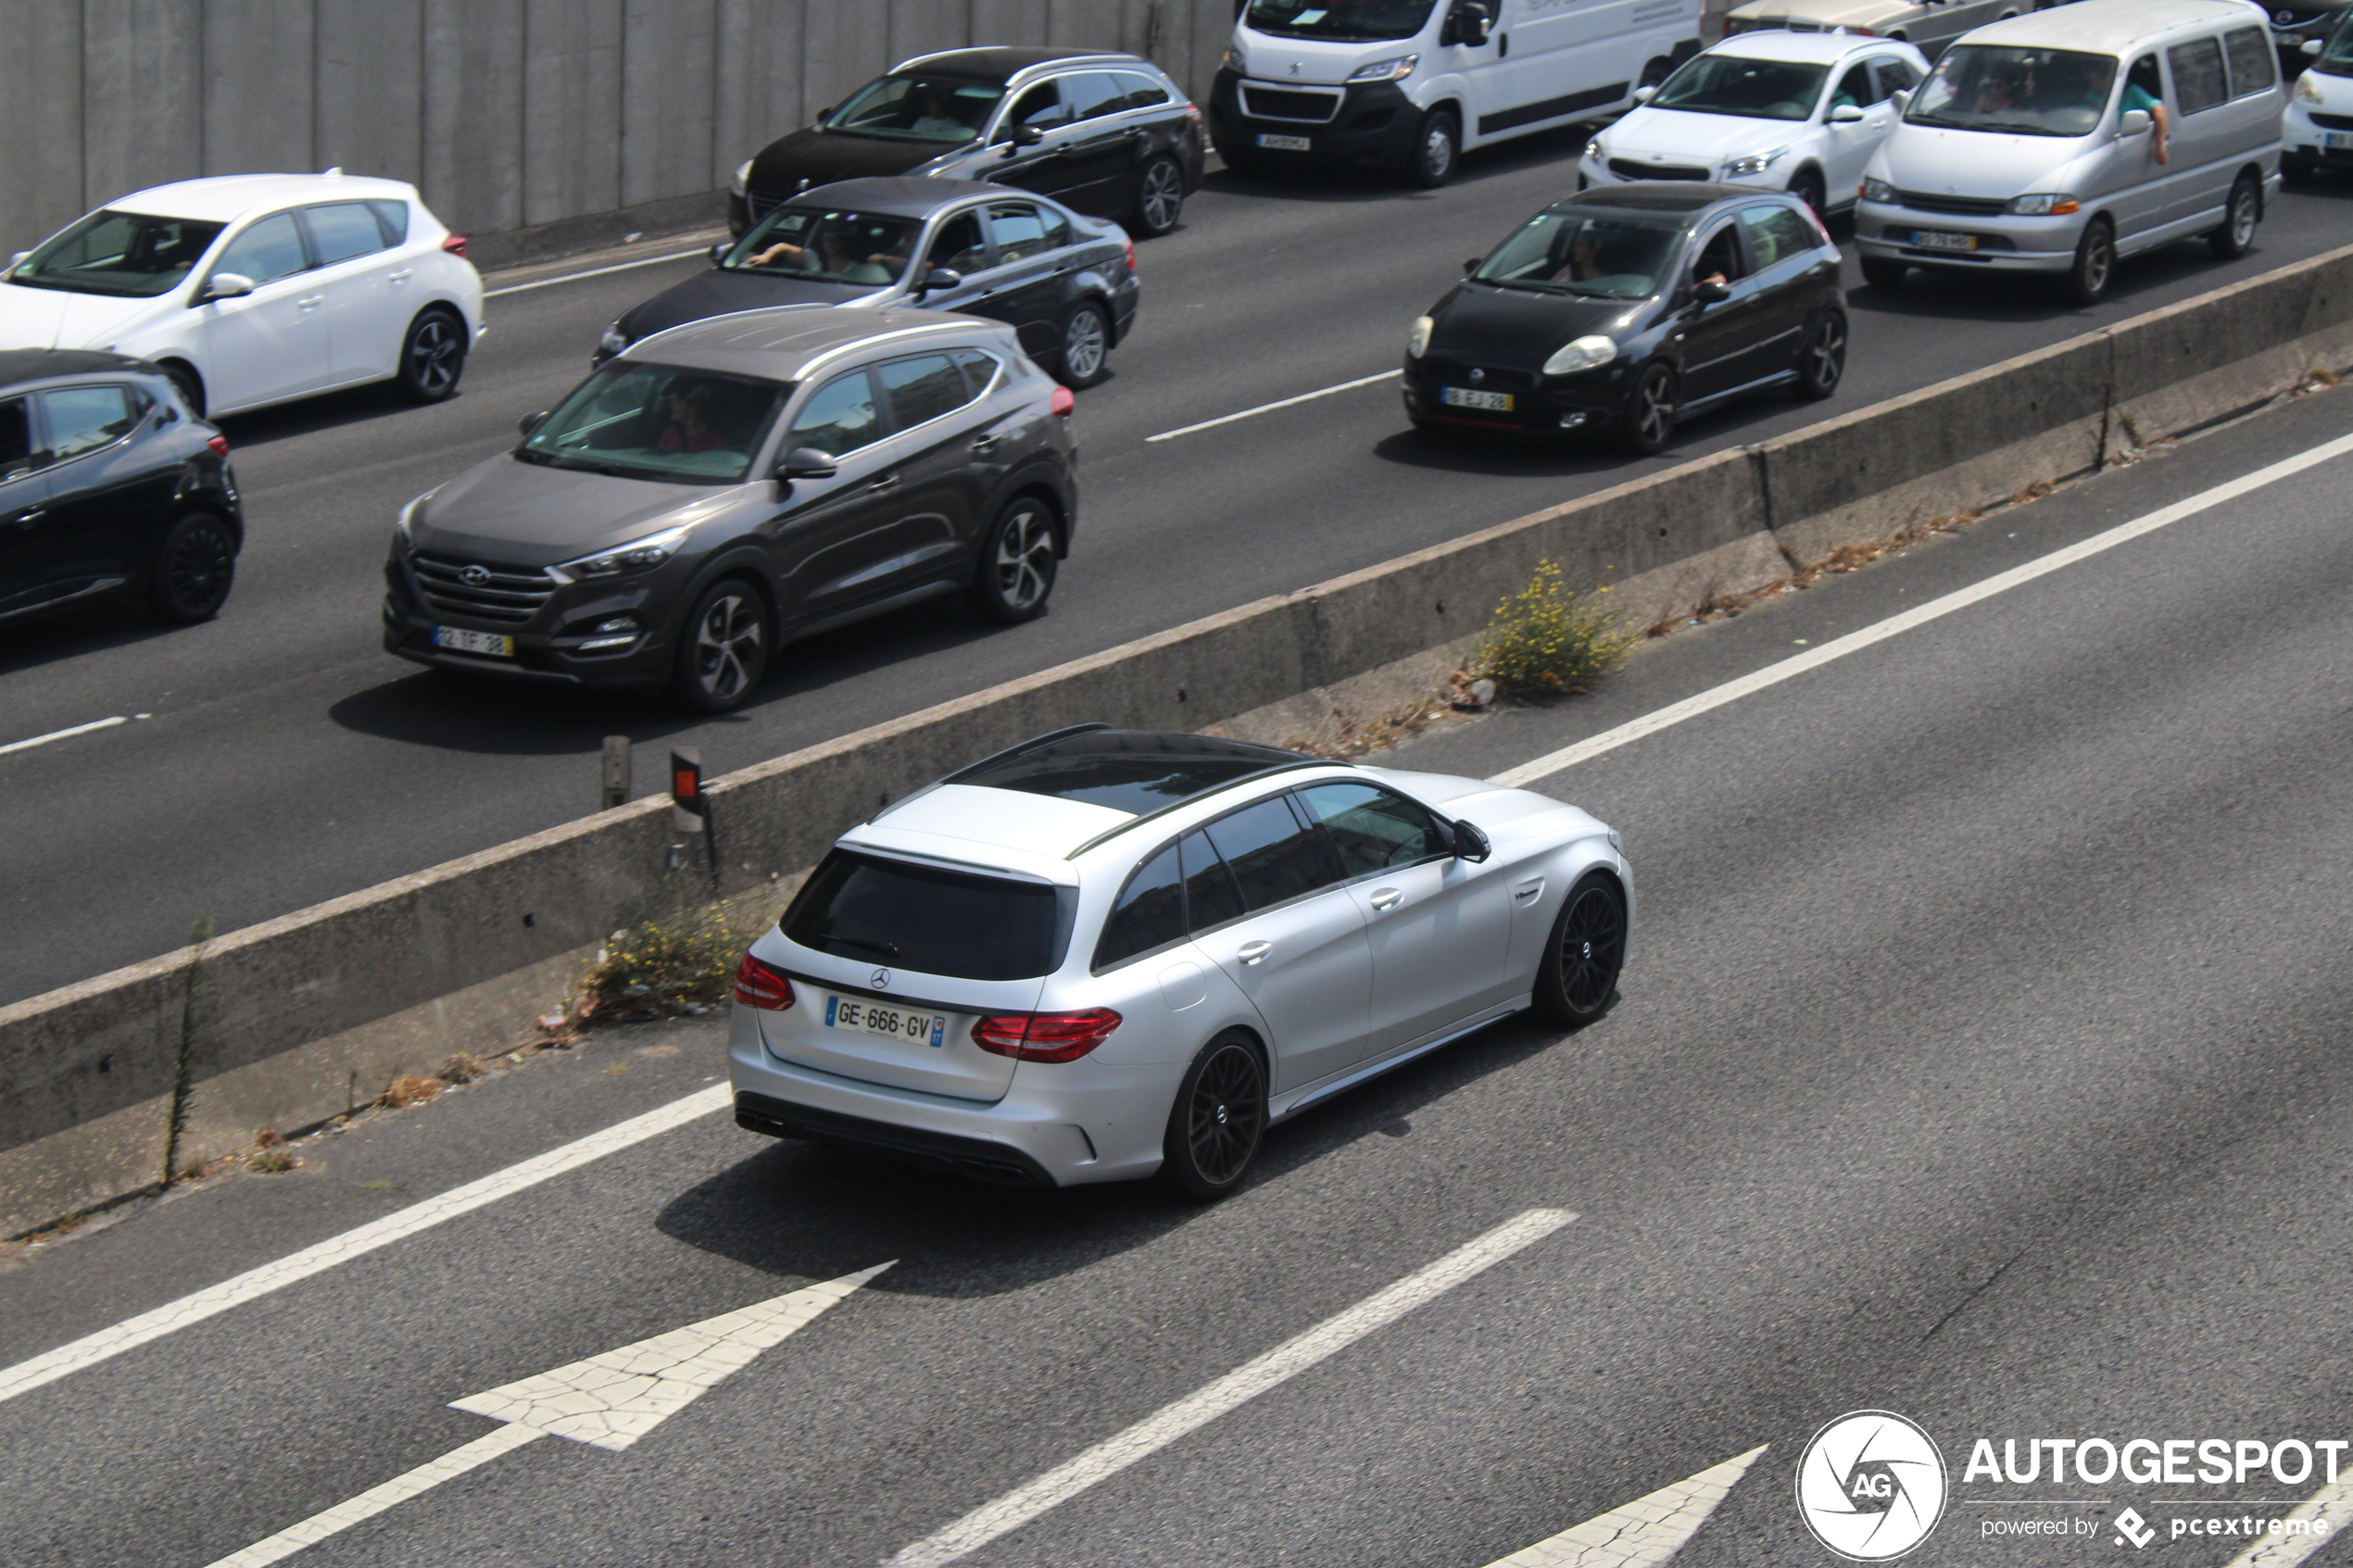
(2144, 89)
(690, 429)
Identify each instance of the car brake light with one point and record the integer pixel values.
(220, 445)
(1131, 256)
(454, 243)
(762, 985)
(1063, 401)
(1192, 112)
(1045, 1037)
(1816, 219)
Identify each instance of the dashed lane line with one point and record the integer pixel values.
(63, 734)
(2326, 1512)
(1270, 407)
(595, 273)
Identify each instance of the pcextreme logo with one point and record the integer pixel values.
(1870, 1486)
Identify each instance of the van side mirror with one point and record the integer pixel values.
(1645, 94)
(2311, 46)
(1467, 23)
(225, 285)
(1711, 293)
(531, 423)
(806, 463)
(1470, 844)
(1845, 114)
(2132, 122)
(19, 259)
(719, 252)
(1901, 98)
(938, 280)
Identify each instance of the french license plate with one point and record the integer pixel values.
(1463, 398)
(459, 641)
(891, 1024)
(1284, 143)
(1931, 239)
(2336, 139)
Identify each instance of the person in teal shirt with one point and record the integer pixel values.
(2144, 91)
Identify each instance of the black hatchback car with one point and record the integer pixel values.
(1623, 309)
(1108, 135)
(109, 485)
(1066, 283)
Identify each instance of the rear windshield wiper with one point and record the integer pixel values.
(887, 949)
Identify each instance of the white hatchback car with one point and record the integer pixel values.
(1107, 953)
(1800, 112)
(254, 289)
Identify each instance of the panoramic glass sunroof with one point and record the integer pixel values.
(1129, 771)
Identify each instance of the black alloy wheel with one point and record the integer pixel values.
(1436, 147)
(1086, 352)
(1808, 187)
(1648, 425)
(1017, 564)
(1220, 1114)
(1160, 197)
(1822, 361)
(433, 357)
(2094, 263)
(1578, 974)
(2236, 236)
(1883, 272)
(723, 650)
(194, 569)
(189, 385)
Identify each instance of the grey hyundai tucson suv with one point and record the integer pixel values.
(730, 484)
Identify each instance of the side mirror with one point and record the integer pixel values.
(1901, 98)
(1472, 265)
(532, 423)
(1470, 844)
(1845, 114)
(719, 252)
(938, 279)
(225, 285)
(19, 259)
(806, 463)
(1645, 94)
(1027, 135)
(2311, 46)
(823, 115)
(1711, 294)
(2132, 122)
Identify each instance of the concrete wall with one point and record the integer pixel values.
(508, 114)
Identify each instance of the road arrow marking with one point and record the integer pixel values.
(1644, 1533)
(608, 1401)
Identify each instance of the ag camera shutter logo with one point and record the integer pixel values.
(1872, 1486)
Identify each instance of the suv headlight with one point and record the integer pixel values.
(742, 180)
(1396, 69)
(1756, 163)
(1878, 190)
(2045, 204)
(1593, 150)
(1417, 340)
(1235, 61)
(612, 342)
(638, 554)
(1583, 353)
(2309, 91)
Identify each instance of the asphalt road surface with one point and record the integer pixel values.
(283, 759)
(1980, 1058)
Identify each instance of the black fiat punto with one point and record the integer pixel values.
(109, 484)
(1624, 309)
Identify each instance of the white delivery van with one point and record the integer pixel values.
(1410, 84)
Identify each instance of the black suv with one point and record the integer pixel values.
(108, 486)
(725, 484)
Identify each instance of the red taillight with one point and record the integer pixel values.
(1816, 219)
(1064, 402)
(1131, 256)
(454, 243)
(220, 445)
(1045, 1037)
(762, 985)
(1192, 112)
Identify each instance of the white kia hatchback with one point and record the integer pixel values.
(1105, 954)
(252, 289)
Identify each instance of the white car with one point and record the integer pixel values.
(1800, 112)
(2317, 130)
(254, 289)
(1105, 954)
(1932, 24)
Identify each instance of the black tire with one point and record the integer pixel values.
(722, 648)
(189, 385)
(2296, 170)
(432, 356)
(1821, 363)
(1647, 422)
(1017, 564)
(1438, 146)
(1808, 188)
(1219, 1117)
(2095, 264)
(1084, 358)
(1883, 272)
(1577, 975)
(2243, 212)
(193, 570)
(1160, 197)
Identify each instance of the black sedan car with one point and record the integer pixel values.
(1625, 308)
(1066, 283)
(1110, 136)
(109, 485)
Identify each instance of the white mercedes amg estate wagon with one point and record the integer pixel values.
(1105, 954)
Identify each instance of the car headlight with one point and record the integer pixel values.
(612, 342)
(1593, 150)
(1878, 190)
(1583, 353)
(2308, 90)
(1235, 61)
(2044, 203)
(638, 554)
(1756, 163)
(1417, 340)
(1396, 69)
(742, 182)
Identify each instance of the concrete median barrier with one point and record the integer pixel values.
(291, 1022)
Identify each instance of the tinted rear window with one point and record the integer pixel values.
(952, 923)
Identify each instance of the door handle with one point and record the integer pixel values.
(1255, 952)
(27, 518)
(887, 482)
(401, 277)
(1387, 898)
(983, 443)
(316, 299)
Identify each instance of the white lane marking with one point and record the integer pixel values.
(1645, 1532)
(1246, 1381)
(595, 273)
(1270, 407)
(2328, 1510)
(1894, 625)
(610, 1400)
(107, 1343)
(63, 734)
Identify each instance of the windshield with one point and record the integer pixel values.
(2338, 58)
(918, 108)
(640, 421)
(1603, 255)
(119, 253)
(2018, 92)
(1353, 21)
(863, 248)
(1753, 89)
(947, 922)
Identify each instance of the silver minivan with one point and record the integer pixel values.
(2056, 143)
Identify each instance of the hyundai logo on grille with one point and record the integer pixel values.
(474, 576)
(879, 980)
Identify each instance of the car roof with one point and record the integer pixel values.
(781, 342)
(20, 365)
(1663, 195)
(902, 196)
(2109, 27)
(1001, 63)
(226, 197)
(1820, 47)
